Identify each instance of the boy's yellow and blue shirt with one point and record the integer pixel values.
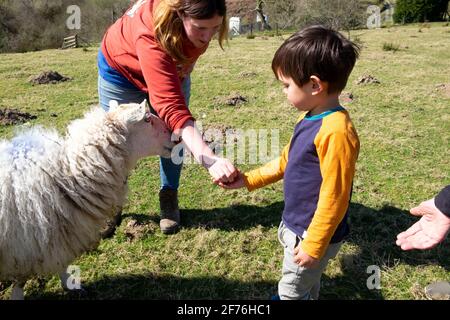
(317, 167)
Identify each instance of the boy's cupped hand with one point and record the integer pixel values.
(236, 184)
(303, 259)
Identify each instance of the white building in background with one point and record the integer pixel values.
(235, 26)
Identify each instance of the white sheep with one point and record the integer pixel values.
(56, 194)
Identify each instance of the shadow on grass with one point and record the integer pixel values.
(164, 287)
(233, 218)
(373, 231)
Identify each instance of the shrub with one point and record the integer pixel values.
(358, 41)
(390, 47)
(409, 11)
(30, 25)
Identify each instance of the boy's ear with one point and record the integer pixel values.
(318, 86)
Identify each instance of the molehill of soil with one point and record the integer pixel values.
(48, 77)
(10, 117)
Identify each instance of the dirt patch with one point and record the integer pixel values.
(444, 88)
(48, 77)
(247, 74)
(209, 133)
(220, 127)
(13, 117)
(135, 230)
(367, 79)
(233, 99)
(346, 97)
(215, 136)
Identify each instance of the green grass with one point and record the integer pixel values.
(228, 245)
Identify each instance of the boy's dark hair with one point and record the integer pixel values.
(318, 51)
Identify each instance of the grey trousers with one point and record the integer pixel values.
(299, 283)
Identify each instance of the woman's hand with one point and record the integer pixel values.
(222, 171)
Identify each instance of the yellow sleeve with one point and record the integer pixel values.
(271, 172)
(337, 152)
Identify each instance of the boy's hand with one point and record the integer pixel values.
(236, 184)
(303, 259)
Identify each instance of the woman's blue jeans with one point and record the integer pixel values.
(169, 171)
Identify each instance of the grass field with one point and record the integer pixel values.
(227, 248)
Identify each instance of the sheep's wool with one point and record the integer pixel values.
(57, 193)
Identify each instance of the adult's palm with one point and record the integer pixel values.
(429, 231)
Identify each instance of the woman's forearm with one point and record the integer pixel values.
(220, 169)
(194, 141)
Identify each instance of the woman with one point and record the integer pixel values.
(150, 53)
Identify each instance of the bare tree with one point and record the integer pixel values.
(27, 25)
(260, 11)
(284, 13)
(337, 14)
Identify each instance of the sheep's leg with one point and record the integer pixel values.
(111, 225)
(17, 291)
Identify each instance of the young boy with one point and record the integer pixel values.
(318, 164)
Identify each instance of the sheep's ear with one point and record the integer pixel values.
(113, 104)
(144, 104)
(145, 110)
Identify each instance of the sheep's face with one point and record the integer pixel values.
(148, 134)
